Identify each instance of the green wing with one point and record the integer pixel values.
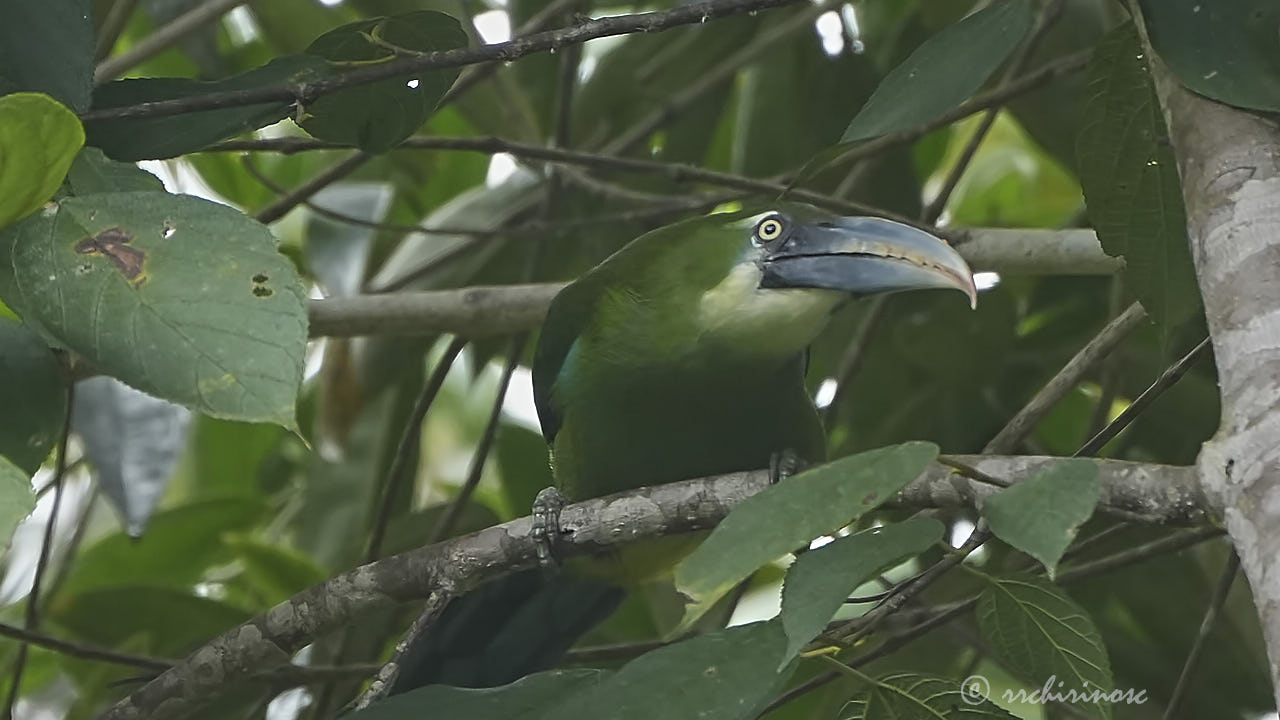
(569, 315)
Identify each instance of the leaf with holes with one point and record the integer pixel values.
(910, 695)
(179, 297)
(1040, 515)
(377, 116)
(943, 71)
(39, 138)
(1039, 634)
(1130, 181)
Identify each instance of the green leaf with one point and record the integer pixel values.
(1227, 50)
(482, 208)
(1130, 181)
(377, 116)
(943, 71)
(47, 47)
(275, 571)
(1038, 633)
(94, 172)
(922, 697)
(820, 580)
(172, 135)
(725, 675)
(179, 297)
(1040, 515)
(524, 699)
(790, 514)
(39, 137)
(16, 499)
(31, 379)
(170, 621)
(180, 545)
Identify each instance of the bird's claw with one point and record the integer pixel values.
(783, 464)
(546, 525)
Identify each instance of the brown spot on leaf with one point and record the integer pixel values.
(260, 288)
(114, 244)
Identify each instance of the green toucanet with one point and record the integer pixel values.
(680, 356)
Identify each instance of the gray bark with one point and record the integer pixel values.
(455, 566)
(1230, 165)
(496, 310)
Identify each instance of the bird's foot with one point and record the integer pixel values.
(783, 464)
(546, 525)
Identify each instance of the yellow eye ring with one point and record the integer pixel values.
(769, 229)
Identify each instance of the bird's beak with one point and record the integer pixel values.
(865, 256)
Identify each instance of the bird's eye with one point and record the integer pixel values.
(769, 229)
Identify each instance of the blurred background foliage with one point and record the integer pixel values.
(251, 514)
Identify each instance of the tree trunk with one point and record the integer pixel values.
(1230, 165)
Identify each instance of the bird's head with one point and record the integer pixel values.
(783, 269)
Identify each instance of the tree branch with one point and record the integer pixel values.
(307, 92)
(502, 309)
(163, 38)
(1068, 377)
(458, 565)
(677, 172)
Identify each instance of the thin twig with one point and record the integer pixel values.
(724, 71)
(931, 212)
(854, 353)
(1211, 613)
(398, 470)
(1109, 370)
(657, 214)
(390, 672)
(163, 38)
(83, 651)
(1167, 379)
(65, 564)
(112, 26)
(677, 172)
(476, 470)
(1045, 20)
(1066, 379)
(904, 592)
(32, 617)
(397, 473)
(944, 615)
(1169, 543)
(307, 92)
(303, 192)
(472, 75)
(1033, 80)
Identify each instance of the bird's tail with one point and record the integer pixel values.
(505, 630)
